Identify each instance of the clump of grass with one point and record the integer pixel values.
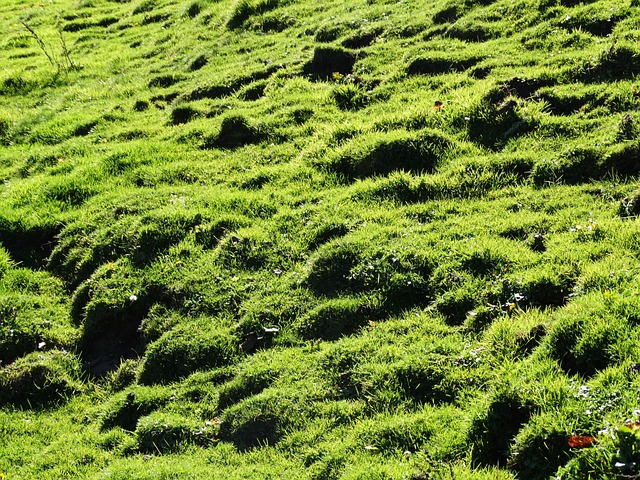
(336, 317)
(183, 114)
(330, 271)
(41, 379)
(619, 61)
(144, 6)
(16, 85)
(126, 408)
(588, 342)
(243, 10)
(167, 432)
(124, 375)
(250, 380)
(383, 153)
(178, 353)
(236, 131)
(263, 418)
(349, 96)
(449, 13)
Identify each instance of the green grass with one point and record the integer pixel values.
(348, 240)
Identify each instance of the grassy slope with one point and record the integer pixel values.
(347, 239)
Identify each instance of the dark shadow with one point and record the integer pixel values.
(29, 246)
(329, 60)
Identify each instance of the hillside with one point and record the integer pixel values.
(252, 239)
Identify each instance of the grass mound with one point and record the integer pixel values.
(178, 353)
(388, 152)
(41, 380)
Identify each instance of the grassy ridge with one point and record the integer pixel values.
(270, 238)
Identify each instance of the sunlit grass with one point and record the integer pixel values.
(345, 240)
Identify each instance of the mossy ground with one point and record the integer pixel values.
(349, 239)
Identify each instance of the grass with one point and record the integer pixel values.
(276, 239)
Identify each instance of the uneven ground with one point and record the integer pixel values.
(319, 240)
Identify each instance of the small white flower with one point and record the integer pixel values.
(133, 298)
